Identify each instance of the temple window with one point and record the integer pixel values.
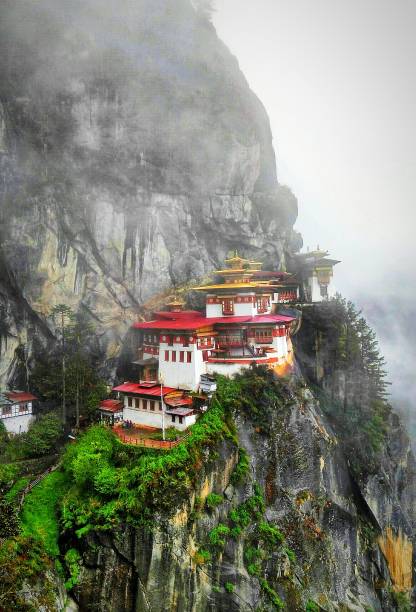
(188, 356)
(228, 306)
(130, 402)
(173, 355)
(166, 355)
(181, 356)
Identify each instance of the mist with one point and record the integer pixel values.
(338, 82)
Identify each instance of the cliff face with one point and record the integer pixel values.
(134, 156)
(352, 552)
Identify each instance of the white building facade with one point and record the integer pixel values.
(16, 411)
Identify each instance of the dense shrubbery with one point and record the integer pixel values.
(112, 484)
(22, 562)
(256, 393)
(41, 439)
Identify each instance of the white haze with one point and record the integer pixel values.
(338, 80)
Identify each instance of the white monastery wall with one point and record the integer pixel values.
(18, 424)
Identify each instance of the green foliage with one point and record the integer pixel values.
(235, 532)
(348, 351)
(39, 515)
(18, 486)
(105, 481)
(8, 473)
(241, 469)
(256, 393)
(202, 556)
(272, 595)
(218, 534)
(42, 436)
(113, 482)
(290, 554)
(73, 564)
(270, 535)
(22, 561)
(402, 601)
(311, 606)
(229, 587)
(213, 500)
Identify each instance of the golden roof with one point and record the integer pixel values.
(230, 286)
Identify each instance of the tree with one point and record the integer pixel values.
(63, 316)
(42, 436)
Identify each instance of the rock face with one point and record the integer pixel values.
(133, 157)
(337, 529)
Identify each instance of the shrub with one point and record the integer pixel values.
(8, 473)
(42, 436)
(269, 534)
(213, 500)
(242, 467)
(202, 556)
(217, 535)
(272, 595)
(311, 606)
(229, 587)
(105, 481)
(290, 554)
(73, 563)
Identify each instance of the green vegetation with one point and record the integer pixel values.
(272, 595)
(41, 439)
(349, 352)
(68, 376)
(112, 483)
(229, 587)
(14, 491)
(213, 500)
(270, 535)
(217, 536)
(39, 515)
(241, 469)
(311, 606)
(23, 561)
(73, 561)
(202, 556)
(256, 393)
(402, 601)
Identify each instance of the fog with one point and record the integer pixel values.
(337, 79)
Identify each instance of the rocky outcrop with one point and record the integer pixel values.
(133, 157)
(346, 557)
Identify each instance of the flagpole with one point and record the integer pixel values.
(162, 406)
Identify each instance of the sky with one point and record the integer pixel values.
(338, 80)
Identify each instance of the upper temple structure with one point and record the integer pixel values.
(179, 350)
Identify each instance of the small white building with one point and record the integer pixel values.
(153, 406)
(315, 270)
(16, 410)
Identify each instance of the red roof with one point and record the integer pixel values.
(195, 322)
(111, 405)
(137, 389)
(20, 396)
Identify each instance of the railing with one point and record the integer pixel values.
(149, 442)
(263, 339)
(33, 484)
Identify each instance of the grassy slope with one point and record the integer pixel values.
(39, 514)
